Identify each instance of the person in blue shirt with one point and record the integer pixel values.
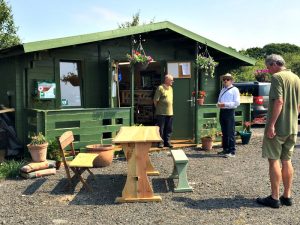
(228, 101)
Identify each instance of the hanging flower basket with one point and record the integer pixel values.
(141, 66)
(206, 65)
(139, 60)
(72, 78)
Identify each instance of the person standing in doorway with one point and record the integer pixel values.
(281, 130)
(228, 101)
(163, 102)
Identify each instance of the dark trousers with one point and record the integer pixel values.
(165, 124)
(228, 130)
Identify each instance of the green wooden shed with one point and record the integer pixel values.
(85, 84)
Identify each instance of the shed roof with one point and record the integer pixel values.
(106, 35)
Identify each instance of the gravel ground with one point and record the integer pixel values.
(224, 193)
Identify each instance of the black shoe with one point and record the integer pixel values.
(222, 153)
(160, 145)
(169, 146)
(286, 201)
(268, 201)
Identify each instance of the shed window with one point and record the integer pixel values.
(70, 84)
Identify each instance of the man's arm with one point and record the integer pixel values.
(278, 103)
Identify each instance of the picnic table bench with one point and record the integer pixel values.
(179, 171)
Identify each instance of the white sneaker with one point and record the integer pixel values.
(229, 155)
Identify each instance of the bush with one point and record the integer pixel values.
(10, 169)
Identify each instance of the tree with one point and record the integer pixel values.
(135, 21)
(8, 30)
(290, 52)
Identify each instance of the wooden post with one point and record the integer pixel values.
(196, 131)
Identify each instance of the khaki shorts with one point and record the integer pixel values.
(280, 147)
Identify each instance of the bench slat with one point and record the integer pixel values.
(179, 156)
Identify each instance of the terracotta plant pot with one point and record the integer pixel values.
(207, 143)
(106, 154)
(200, 101)
(38, 152)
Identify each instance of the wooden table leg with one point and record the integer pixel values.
(137, 187)
(150, 168)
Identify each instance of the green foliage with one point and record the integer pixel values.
(135, 21)
(38, 139)
(280, 49)
(206, 64)
(209, 129)
(53, 151)
(8, 31)
(290, 52)
(10, 169)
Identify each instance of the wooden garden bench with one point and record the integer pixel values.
(179, 171)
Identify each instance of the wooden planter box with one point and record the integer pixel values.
(246, 99)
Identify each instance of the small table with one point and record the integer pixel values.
(136, 142)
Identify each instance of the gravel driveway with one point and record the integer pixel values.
(224, 193)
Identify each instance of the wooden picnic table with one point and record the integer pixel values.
(136, 142)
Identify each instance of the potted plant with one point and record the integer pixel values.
(208, 134)
(201, 95)
(207, 138)
(246, 133)
(38, 147)
(54, 152)
(206, 64)
(72, 78)
(139, 59)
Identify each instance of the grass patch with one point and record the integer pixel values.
(10, 169)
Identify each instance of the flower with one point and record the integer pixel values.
(262, 75)
(206, 64)
(247, 126)
(201, 94)
(137, 57)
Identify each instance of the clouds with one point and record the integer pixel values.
(99, 16)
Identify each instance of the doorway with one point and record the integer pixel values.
(145, 83)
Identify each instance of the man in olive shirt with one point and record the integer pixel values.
(163, 101)
(281, 130)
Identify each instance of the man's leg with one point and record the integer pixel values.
(275, 177)
(231, 132)
(224, 128)
(287, 177)
(161, 123)
(168, 131)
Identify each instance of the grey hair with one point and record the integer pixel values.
(273, 58)
(168, 76)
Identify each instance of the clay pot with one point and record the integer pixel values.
(207, 143)
(200, 101)
(105, 152)
(38, 152)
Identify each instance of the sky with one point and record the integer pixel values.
(240, 24)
